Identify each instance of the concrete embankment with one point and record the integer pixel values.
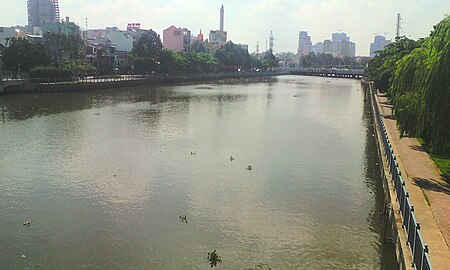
(124, 81)
(418, 222)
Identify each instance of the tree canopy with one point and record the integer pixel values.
(415, 76)
(25, 54)
(60, 46)
(148, 45)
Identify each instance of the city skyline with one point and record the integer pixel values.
(286, 18)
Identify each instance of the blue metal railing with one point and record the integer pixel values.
(419, 250)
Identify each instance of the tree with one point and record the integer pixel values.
(269, 60)
(198, 46)
(148, 45)
(382, 67)
(147, 52)
(60, 46)
(415, 75)
(232, 57)
(24, 54)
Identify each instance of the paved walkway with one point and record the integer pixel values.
(429, 193)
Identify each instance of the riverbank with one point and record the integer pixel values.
(427, 194)
(34, 86)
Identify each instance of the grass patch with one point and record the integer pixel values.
(442, 162)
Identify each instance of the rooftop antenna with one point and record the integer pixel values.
(86, 24)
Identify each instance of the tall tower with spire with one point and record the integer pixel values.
(222, 13)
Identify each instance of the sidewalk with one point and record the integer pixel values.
(424, 183)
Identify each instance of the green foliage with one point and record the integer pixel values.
(382, 67)
(269, 60)
(24, 53)
(198, 46)
(147, 52)
(416, 77)
(148, 45)
(60, 46)
(232, 57)
(326, 60)
(149, 57)
(67, 69)
(50, 72)
(78, 67)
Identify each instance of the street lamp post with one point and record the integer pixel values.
(1, 70)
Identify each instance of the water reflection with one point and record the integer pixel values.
(106, 175)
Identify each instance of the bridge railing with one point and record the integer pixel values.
(418, 248)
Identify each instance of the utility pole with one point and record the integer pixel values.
(399, 27)
(257, 48)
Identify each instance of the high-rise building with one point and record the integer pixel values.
(304, 43)
(339, 37)
(222, 17)
(318, 48)
(340, 45)
(42, 11)
(378, 44)
(177, 39)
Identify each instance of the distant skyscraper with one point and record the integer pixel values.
(304, 43)
(340, 45)
(339, 37)
(42, 11)
(318, 48)
(378, 44)
(222, 15)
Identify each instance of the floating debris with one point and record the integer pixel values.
(183, 218)
(23, 256)
(27, 223)
(214, 258)
(231, 158)
(249, 168)
(193, 153)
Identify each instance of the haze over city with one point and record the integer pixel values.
(251, 21)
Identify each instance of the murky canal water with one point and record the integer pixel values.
(105, 175)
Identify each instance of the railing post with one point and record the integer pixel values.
(404, 205)
(425, 250)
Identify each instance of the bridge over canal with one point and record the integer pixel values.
(330, 72)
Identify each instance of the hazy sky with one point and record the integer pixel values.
(249, 21)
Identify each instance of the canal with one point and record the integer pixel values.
(105, 175)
